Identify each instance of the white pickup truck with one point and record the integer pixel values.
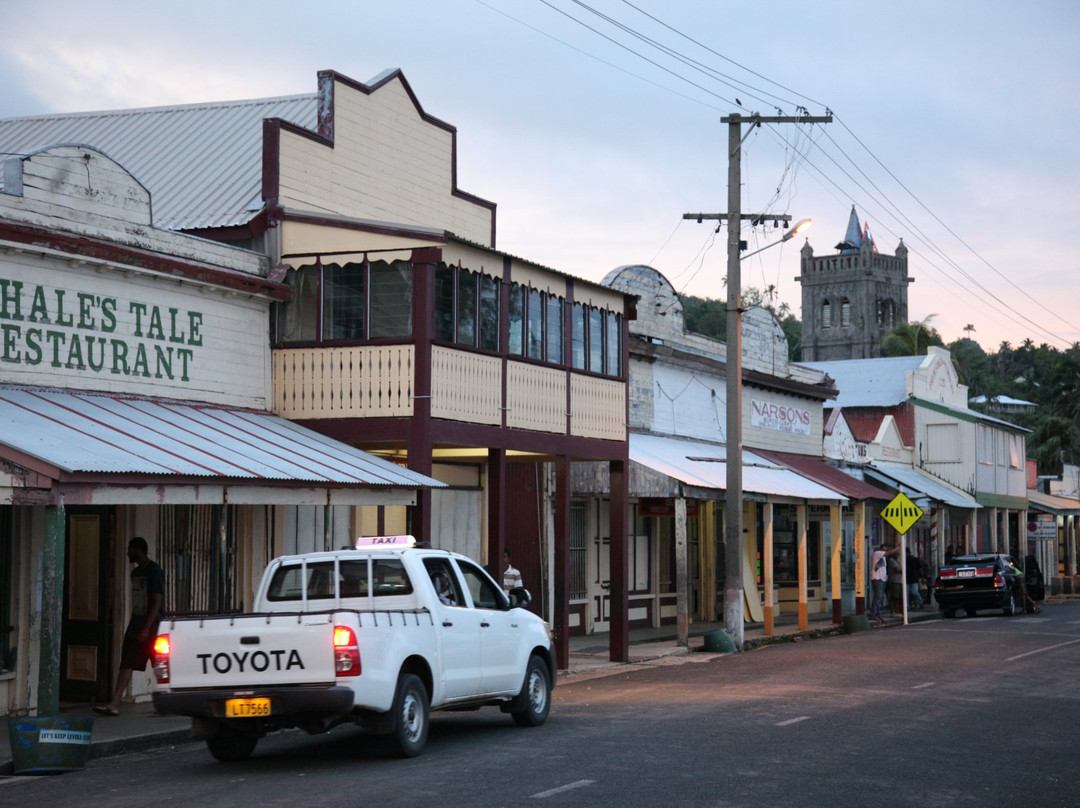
(377, 636)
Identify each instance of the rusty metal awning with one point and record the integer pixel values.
(67, 435)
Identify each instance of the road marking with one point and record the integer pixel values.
(793, 720)
(561, 789)
(1040, 650)
(924, 684)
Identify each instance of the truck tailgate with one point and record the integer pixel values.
(251, 650)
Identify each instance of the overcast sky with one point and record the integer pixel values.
(956, 123)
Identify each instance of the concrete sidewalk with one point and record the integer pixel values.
(138, 727)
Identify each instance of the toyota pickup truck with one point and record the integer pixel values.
(378, 635)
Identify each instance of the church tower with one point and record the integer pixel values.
(851, 299)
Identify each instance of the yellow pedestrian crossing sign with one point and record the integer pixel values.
(901, 513)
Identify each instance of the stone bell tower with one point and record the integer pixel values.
(853, 298)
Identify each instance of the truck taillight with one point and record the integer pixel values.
(162, 649)
(346, 652)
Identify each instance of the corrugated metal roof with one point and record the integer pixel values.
(918, 484)
(1050, 503)
(705, 465)
(84, 432)
(202, 163)
(880, 382)
(818, 469)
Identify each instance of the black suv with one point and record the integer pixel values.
(980, 581)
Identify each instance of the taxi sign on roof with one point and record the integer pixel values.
(901, 513)
(386, 541)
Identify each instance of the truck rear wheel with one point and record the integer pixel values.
(535, 696)
(411, 717)
(230, 744)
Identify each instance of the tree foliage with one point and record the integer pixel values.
(708, 317)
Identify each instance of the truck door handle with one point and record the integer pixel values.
(447, 624)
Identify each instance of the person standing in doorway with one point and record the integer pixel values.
(511, 575)
(147, 602)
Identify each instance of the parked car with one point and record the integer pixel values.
(980, 581)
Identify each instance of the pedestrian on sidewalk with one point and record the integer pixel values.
(147, 600)
(511, 578)
(879, 576)
(913, 568)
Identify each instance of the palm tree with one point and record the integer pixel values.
(910, 339)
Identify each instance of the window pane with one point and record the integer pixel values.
(391, 299)
(466, 307)
(298, 317)
(517, 319)
(536, 325)
(577, 319)
(388, 577)
(343, 301)
(444, 302)
(614, 343)
(596, 340)
(554, 329)
(489, 313)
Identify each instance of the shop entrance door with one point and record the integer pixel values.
(84, 631)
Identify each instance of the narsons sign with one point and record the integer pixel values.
(779, 417)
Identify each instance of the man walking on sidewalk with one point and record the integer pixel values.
(147, 599)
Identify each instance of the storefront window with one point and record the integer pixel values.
(536, 326)
(554, 330)
(517, 319)
(350, 302)
(466, 307)
(489, 313)
(577, 325)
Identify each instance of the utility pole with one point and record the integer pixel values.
(734, 552)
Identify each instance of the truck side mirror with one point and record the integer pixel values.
(519, 597)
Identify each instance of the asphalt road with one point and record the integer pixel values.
(968, 712)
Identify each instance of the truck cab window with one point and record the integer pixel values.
(485, 594)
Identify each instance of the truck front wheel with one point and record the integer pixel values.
(411, 717)
(534, 701)
(230, 744)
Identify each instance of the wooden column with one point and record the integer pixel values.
(682, 618)
(767, 566)
(619, 639)
(800, 518)
(560, 572)
(836, 534)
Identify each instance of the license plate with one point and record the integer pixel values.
(246, 708)
(965, 573)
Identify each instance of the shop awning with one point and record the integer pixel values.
(704, 465)
(74, 437)
(821, 471)
(1050, 503)
(920, 485)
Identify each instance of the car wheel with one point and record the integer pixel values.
(949, 613)
(969, 612)
(535, 695)
(411, 717)
(1010, 605)
(230, 744)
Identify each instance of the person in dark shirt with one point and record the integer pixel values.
(147, 601)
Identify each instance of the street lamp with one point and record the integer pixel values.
(803, 224)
